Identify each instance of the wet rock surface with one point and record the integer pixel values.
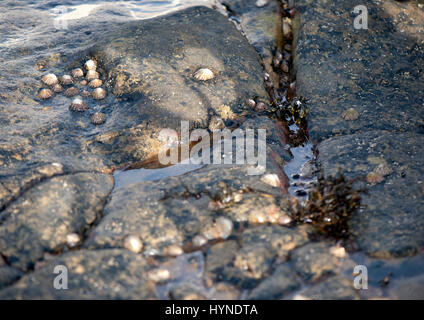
(365, 114)
(104, 274)
(376, 71)
(336, 288)
(208, 231)
(392, 223)
(148, 69)
(262, 27)
(40, 220)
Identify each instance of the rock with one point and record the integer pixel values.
(220, 255)
(314, 261)
(176, 209)
(9, 275)
(280, 240)
(409, 289)
(254, 260)
(334, 288)
(155, 74)
(374, 71)
(41, 219)
(173, 48)
(262, 27)
(101, 274)
(278, 284)
(390, 226)
(13, 183)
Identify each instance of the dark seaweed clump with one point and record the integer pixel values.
(331, 205)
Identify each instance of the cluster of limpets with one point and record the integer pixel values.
(66, 84)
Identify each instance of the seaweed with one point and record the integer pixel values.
(331, 204)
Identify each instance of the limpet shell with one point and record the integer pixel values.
(374, 178)
(77, 73)
(98, 118)
(45, 94)
(92, 74)
(85, 94)
(271, 179)
(133, 244)
(72, 240)
(50, 79)
(350, 114)
(199, 241)
(90, 64)
(95, 83)
(57, 88)
(99, 93)
(158, 275)
(174, 250)
(78, 105)
(70, 92)
(66, 80)
(204, 74)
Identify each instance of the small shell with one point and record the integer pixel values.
(83, 82)
(251, 103)
(216, 123)
(95, 83)
(133, 244)
(383, 169)
(78, 105)
(284, 220)
(98, 118)
(57, 88)
(99, 93)
(66, 80)
(260, 106)
(70, 92)
(92, 74)
(77, 73)
(199, 241)
(261, 3)
(350, 114)
(257, 217)
(90, 64)
(86, 94)
(50, 79)
(72, 240)
(338, 252)
(203, 74)
(224, 227)
(271, 179)
(374, 178)
(158, 275)
(174, 250)
(45, 94)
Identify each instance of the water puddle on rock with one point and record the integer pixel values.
(133, 9)
(124, 178)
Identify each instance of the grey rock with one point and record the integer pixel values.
(8, 275)
(103, 274)
(220, 255)
(391, 225)
(279, 283)
(314, 261)
(40, 219)
(334, 288)
(375, 71)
